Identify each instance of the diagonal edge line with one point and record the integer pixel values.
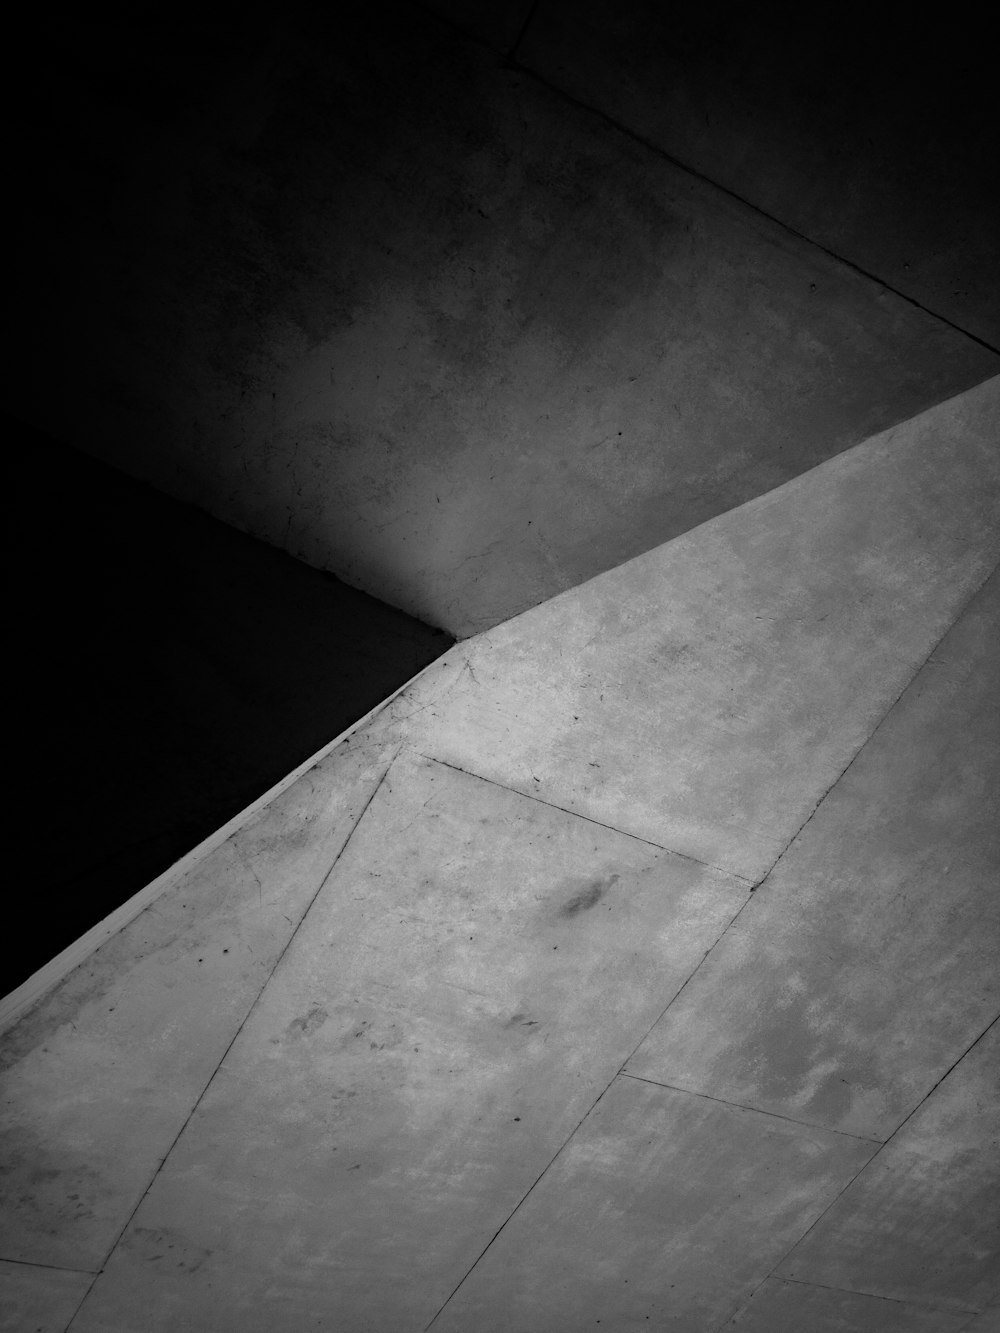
(588, 819)
(510, 60)
(521, 1202)
(752, 1110)
(966, 603)
(786, 227)
(861, 1170)
(246, 1018)
(871, 1296)
(576, 1128)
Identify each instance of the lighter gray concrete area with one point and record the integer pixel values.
(99, 1079)
(868, 962)
(921, 1221)
(778, 1306)
(435, 1045)
(706, 696)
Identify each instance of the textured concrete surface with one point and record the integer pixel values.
(875, 136)
(920, 1222)
(705, 696)
(663, 1209)
(867, 962)
(39, 1300)
(794, 1307)
(490, 960)
(99, 1079)
(147, 628)
(369, 293)
(421, 1112)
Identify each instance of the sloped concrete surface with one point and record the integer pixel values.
(662, 1210)
(378, 1066)
(39, 1300)
(470, 974)
(706, 695)
(99, 1079)
(793, 1307)
(921, 1222)
(868, 961)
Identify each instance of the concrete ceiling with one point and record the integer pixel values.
(467, 330)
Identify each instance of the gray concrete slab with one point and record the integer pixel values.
(887, 159)
(707, 694)
(664, 1210)
(467, 984)
(407, 314)
(39, 1300)
(797, 1307)
(99, 1078)
(868, 961)
(987, 1322)
(921, 1223)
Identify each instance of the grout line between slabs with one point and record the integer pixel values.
(55, 1268)
(861, 1170)
(569, 1137)
(511, 62)
(894, 1300)
(753, 1110)
(879, 724)
(246, 1018)
(576, 814)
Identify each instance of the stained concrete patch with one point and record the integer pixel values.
(99, 1078)
(706, 695)
(867, 963)
(39, 1300)
(920, 1223)
(796, 1307)
(353, 1169)
(664, 1209)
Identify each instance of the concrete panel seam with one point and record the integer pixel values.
(874, 731)
(520, 1203)
(833, 1203)
(753, 1110)
(786, 227)
(58, 1268)
(576, 814)
(569, 1137)
(894, 1300)
(201, 1096)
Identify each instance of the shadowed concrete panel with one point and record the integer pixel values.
(796, 1307)
(868, 961)
(875, 140)
(464, 989)
(99, 1078)
(497, 24)
(39, 1300)
(377, 298)
(921, 1222)
(663, 1207)
(707, 694)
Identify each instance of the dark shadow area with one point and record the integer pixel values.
(168, 670)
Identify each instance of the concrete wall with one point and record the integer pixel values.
(168, 671)
(389, 301)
